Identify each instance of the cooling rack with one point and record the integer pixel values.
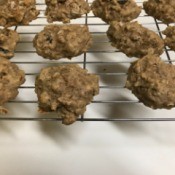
(102, 59)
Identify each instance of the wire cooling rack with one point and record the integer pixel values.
(114, 103)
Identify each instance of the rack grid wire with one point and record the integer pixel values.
(26, 57)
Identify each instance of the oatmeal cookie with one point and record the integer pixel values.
(152, 82)
(67, 89)
(16, 12)
(113, 10)
(163, 10)
(62, 41)
(134, 40)
(65, 10)
(11, 77)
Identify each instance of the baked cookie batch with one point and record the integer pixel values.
(68, 89)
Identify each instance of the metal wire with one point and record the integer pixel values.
(84, 64)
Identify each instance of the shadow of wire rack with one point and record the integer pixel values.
(114, 103)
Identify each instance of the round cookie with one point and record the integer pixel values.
(8, 42)
(11, 77)
(134, 40)
(66, 89)
(163, 10)
(62, 41)
(152, 82)
(170, 37)
(65, 10)
(113, 10)
(15, 12)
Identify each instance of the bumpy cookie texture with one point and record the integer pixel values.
(170, 37)
(163, 10)
(15, 12)
(134, 40)
(65, 10)
(153, 82)
(11, 77)
(62, 41)
(8, 42)
(66, 89)
(113, 10)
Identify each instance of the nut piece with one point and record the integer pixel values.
(66, 89)
(113, 10)
(170, 37)
(15, 12)
(11, 77)
(163, 10)
(8, 42)
(152, 82)
(62, 41)
(65, 10)
(134, 40)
